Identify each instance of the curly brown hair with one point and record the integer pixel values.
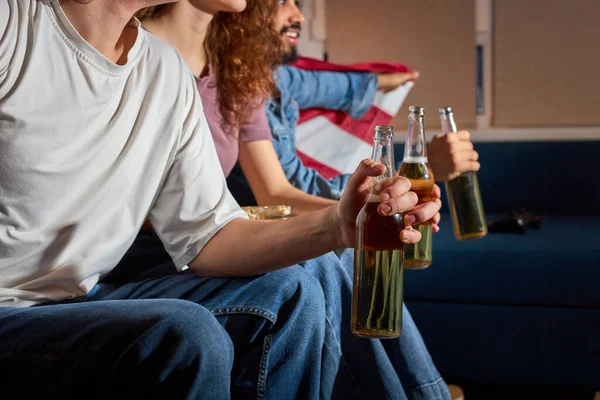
(242, 49)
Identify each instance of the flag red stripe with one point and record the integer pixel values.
(361, 128)
(324, 170)
(377, 67)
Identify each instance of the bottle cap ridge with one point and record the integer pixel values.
(384, 128)
(416, 110)
(446, 111)
(384, 131)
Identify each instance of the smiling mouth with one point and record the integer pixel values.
(294, 35)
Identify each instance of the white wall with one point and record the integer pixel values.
(313, 43)
(312, 39)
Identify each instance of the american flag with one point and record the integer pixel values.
(332, 142)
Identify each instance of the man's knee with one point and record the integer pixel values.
(195, 326)
(189, 333)
(179, 351)
(302, 292)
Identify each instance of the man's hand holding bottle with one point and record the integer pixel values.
(451, 154)
(395, 197)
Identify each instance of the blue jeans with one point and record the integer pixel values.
(157, 333)
(391, 368)
(351, 367)
(171, 349)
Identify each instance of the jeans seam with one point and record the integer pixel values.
(262, 374)
(425, 385)
(244, 310)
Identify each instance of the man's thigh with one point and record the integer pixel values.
(261, 295)
(267, 318)
(78, 349)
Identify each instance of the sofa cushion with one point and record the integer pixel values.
(508, 345)
(558, 265)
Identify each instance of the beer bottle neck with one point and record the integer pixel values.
(448, 124)
(383, 152)
(415, 148)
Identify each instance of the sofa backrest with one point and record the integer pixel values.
(544, 177)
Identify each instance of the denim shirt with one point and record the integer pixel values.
(302, 89)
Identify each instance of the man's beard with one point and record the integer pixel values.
(290, 57)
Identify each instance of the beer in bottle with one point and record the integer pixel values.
(416, 168)
(378, 279)
(464, 197)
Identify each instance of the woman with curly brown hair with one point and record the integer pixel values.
(233, 73)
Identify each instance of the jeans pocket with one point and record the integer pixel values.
(244, 310)
(253, 359)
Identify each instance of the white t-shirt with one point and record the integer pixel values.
(89, 149)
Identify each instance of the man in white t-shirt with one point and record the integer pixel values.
(100, 127)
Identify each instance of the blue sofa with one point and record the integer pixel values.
(512, 309)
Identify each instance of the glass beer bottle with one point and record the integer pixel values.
(464, 197)
(416, 168)
(378, 280)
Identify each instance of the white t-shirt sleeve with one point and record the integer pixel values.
(194, 202)
(5, 11)
(13, 30)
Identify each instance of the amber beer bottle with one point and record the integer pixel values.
(416, 168)
(378, 279)
(464, 197)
